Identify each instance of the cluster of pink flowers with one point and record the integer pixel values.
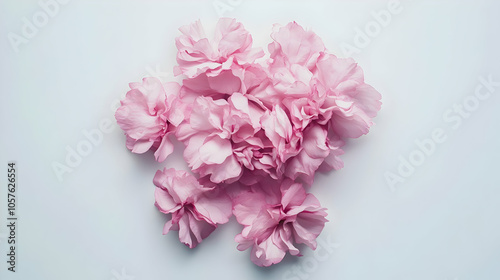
(255, 127)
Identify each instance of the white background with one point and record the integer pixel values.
(99, 222)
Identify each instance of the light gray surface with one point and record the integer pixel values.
(99, 222)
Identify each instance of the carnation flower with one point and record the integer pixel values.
(317, 150)
(276, 220)
(254, 132)
(196, 210)
(231, 47)
(225, 83)
(217, 87)
(350, 103)
(224, 136)
(148, 114)
(294, 45)
(315, 86)
(279, 130)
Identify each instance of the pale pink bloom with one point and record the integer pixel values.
(284, 85)
(279, 129)
(296, 90)
(196, 210)
(317, 149)
(227, 82)
(217, 87)
(314, 85)
(293, 56)
(349, 103)
(148, 114)
(208, 146)
(304, 111)
(252, 76)
(291, 81)
(294, 45)
(231, 47)
(276, 219)
(224, 136)
(254, 131)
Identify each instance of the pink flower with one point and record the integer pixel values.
(294, 53)
(254, 132)
(293, 45)
(279, 130)
(276, 220)
(148, 114)
(317, 149)
(196, 210)
(217, 87)
(315, 86)
(230, 48)
(350, 103)
(223, 85)
(285, 85)
(223, 137)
